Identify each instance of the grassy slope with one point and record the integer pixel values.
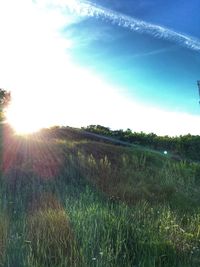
(72, 200)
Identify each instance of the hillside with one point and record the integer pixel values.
(73, 199)
(184, 146)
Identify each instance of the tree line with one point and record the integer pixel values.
(185, 146)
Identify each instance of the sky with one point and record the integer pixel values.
(122, 64)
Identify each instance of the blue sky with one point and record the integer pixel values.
(122, 64)
(158, 71)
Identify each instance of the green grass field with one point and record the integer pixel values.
(73, 201)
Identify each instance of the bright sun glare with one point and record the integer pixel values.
(24, 120)
(24, 126)
(47, 88)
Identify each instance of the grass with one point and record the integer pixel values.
(85, 203)
(51, 238)
(4, 224)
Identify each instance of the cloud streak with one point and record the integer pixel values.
(89, 9)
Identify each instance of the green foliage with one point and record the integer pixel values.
(51, 238)
(187, 146)
(4, 97)
(4, 101)
(82, 203)
(3, 238)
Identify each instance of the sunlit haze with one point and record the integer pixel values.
(58, 74)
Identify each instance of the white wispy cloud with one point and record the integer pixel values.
(89, 9)
(153, 52)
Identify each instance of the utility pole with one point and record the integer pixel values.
(198, 83)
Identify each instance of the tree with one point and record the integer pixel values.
(4, 101)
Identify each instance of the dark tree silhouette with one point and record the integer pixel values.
(5, 97)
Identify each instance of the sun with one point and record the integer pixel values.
(24, 127)
(25, 118)
(24, 124)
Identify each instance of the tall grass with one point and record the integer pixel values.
(103, 206)
(4, 224)
(51, 238)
